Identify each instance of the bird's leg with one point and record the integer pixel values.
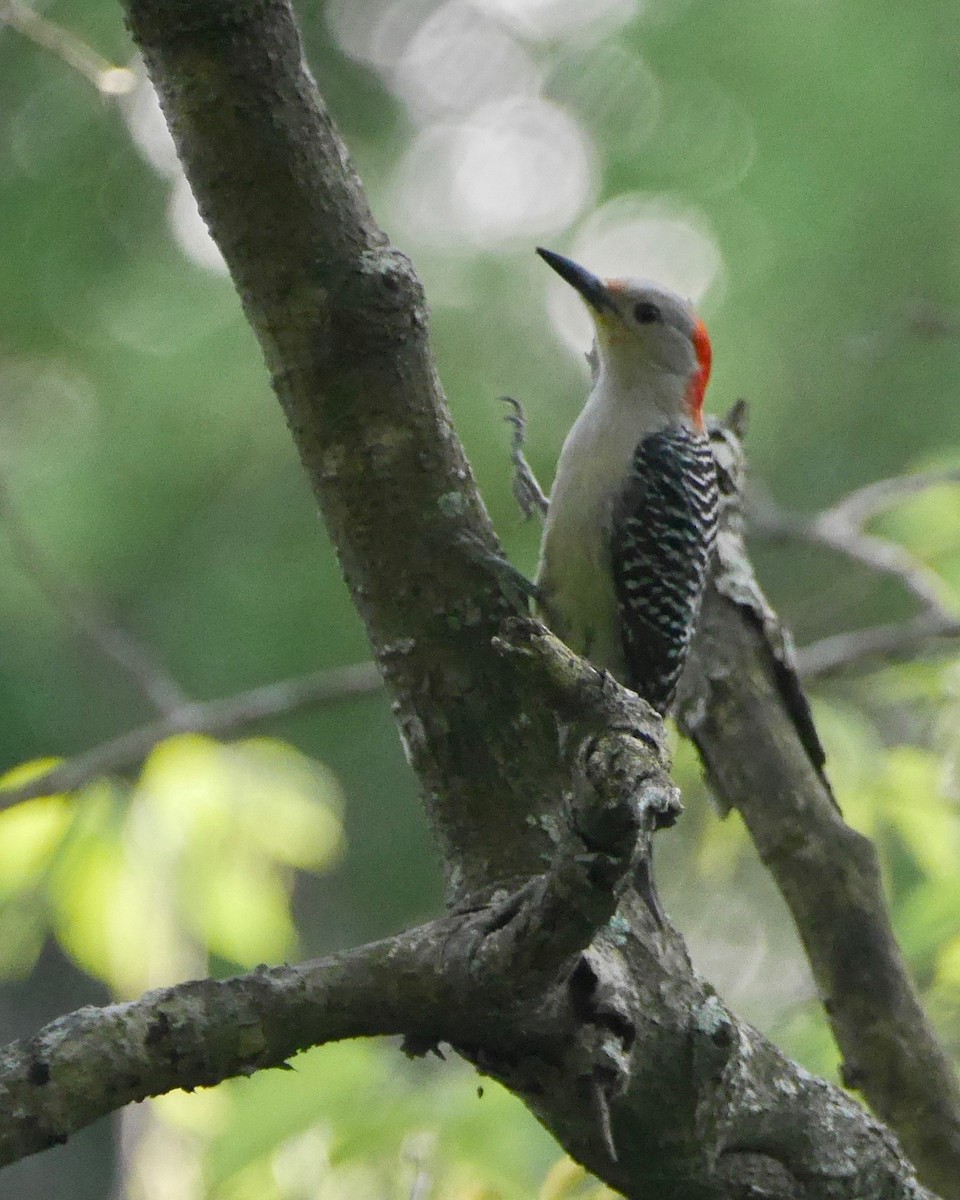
(526, 487)
(531, 498)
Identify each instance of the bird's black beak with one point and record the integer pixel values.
(590, 287)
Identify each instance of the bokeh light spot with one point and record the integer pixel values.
(148, 128)
(613, 89)
(376, 31)
(513, 171)
(545, 19)
(117, 81)
(48, 415)
(706, 138)
(190, 231)
(457, 60)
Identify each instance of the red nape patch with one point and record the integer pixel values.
(701, 376)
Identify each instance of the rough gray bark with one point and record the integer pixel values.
(742, 705)
(568, 990)
(544, 781)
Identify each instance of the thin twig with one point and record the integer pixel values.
(898, 640)
(226, 715)
(840, 528)
(106, 77)
(884, 557)
(134, 656)
(867, 502)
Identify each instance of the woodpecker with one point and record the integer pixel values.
(632, 517)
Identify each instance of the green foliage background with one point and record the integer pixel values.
(145, 463)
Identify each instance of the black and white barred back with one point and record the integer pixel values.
(663, 535)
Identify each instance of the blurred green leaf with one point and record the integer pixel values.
(258, 793)
(239, 908)
(85, 895)
(197, 858)
(22, 933)
(927, 919)
(910, 795)
(29, 836)
(366, 1104)
(803, 1034)
(928, 523)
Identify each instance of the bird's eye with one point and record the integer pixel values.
(646, 313)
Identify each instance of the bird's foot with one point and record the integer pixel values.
(526, 487)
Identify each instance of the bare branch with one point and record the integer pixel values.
(136, 658)
(582, 1006)
(876, 645)
(860, 506)
(105, 76)
(840, 529)
(739, 706)
(196, 1034)
(341, 319)
(219, 717)
(884, 557)
(693, 1101)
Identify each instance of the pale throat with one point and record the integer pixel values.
(644, 398)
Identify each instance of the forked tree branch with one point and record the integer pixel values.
(568, 976)
(579, 996)
(841, 529)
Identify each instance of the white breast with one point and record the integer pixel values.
(578, 599)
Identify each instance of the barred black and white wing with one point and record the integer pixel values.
(663, 531)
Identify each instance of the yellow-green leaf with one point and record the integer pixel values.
(29, 835)
(241, 910)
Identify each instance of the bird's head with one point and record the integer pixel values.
(643, 329)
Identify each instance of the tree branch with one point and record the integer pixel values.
(876, 645)
(340, 317)
(619, 1048)
(547, 983)
(95, 1060)
(743, 707)
(216, 717)
(108, 79)
(131, 654)
(841, 528)
(423, 983)
(860, 506)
